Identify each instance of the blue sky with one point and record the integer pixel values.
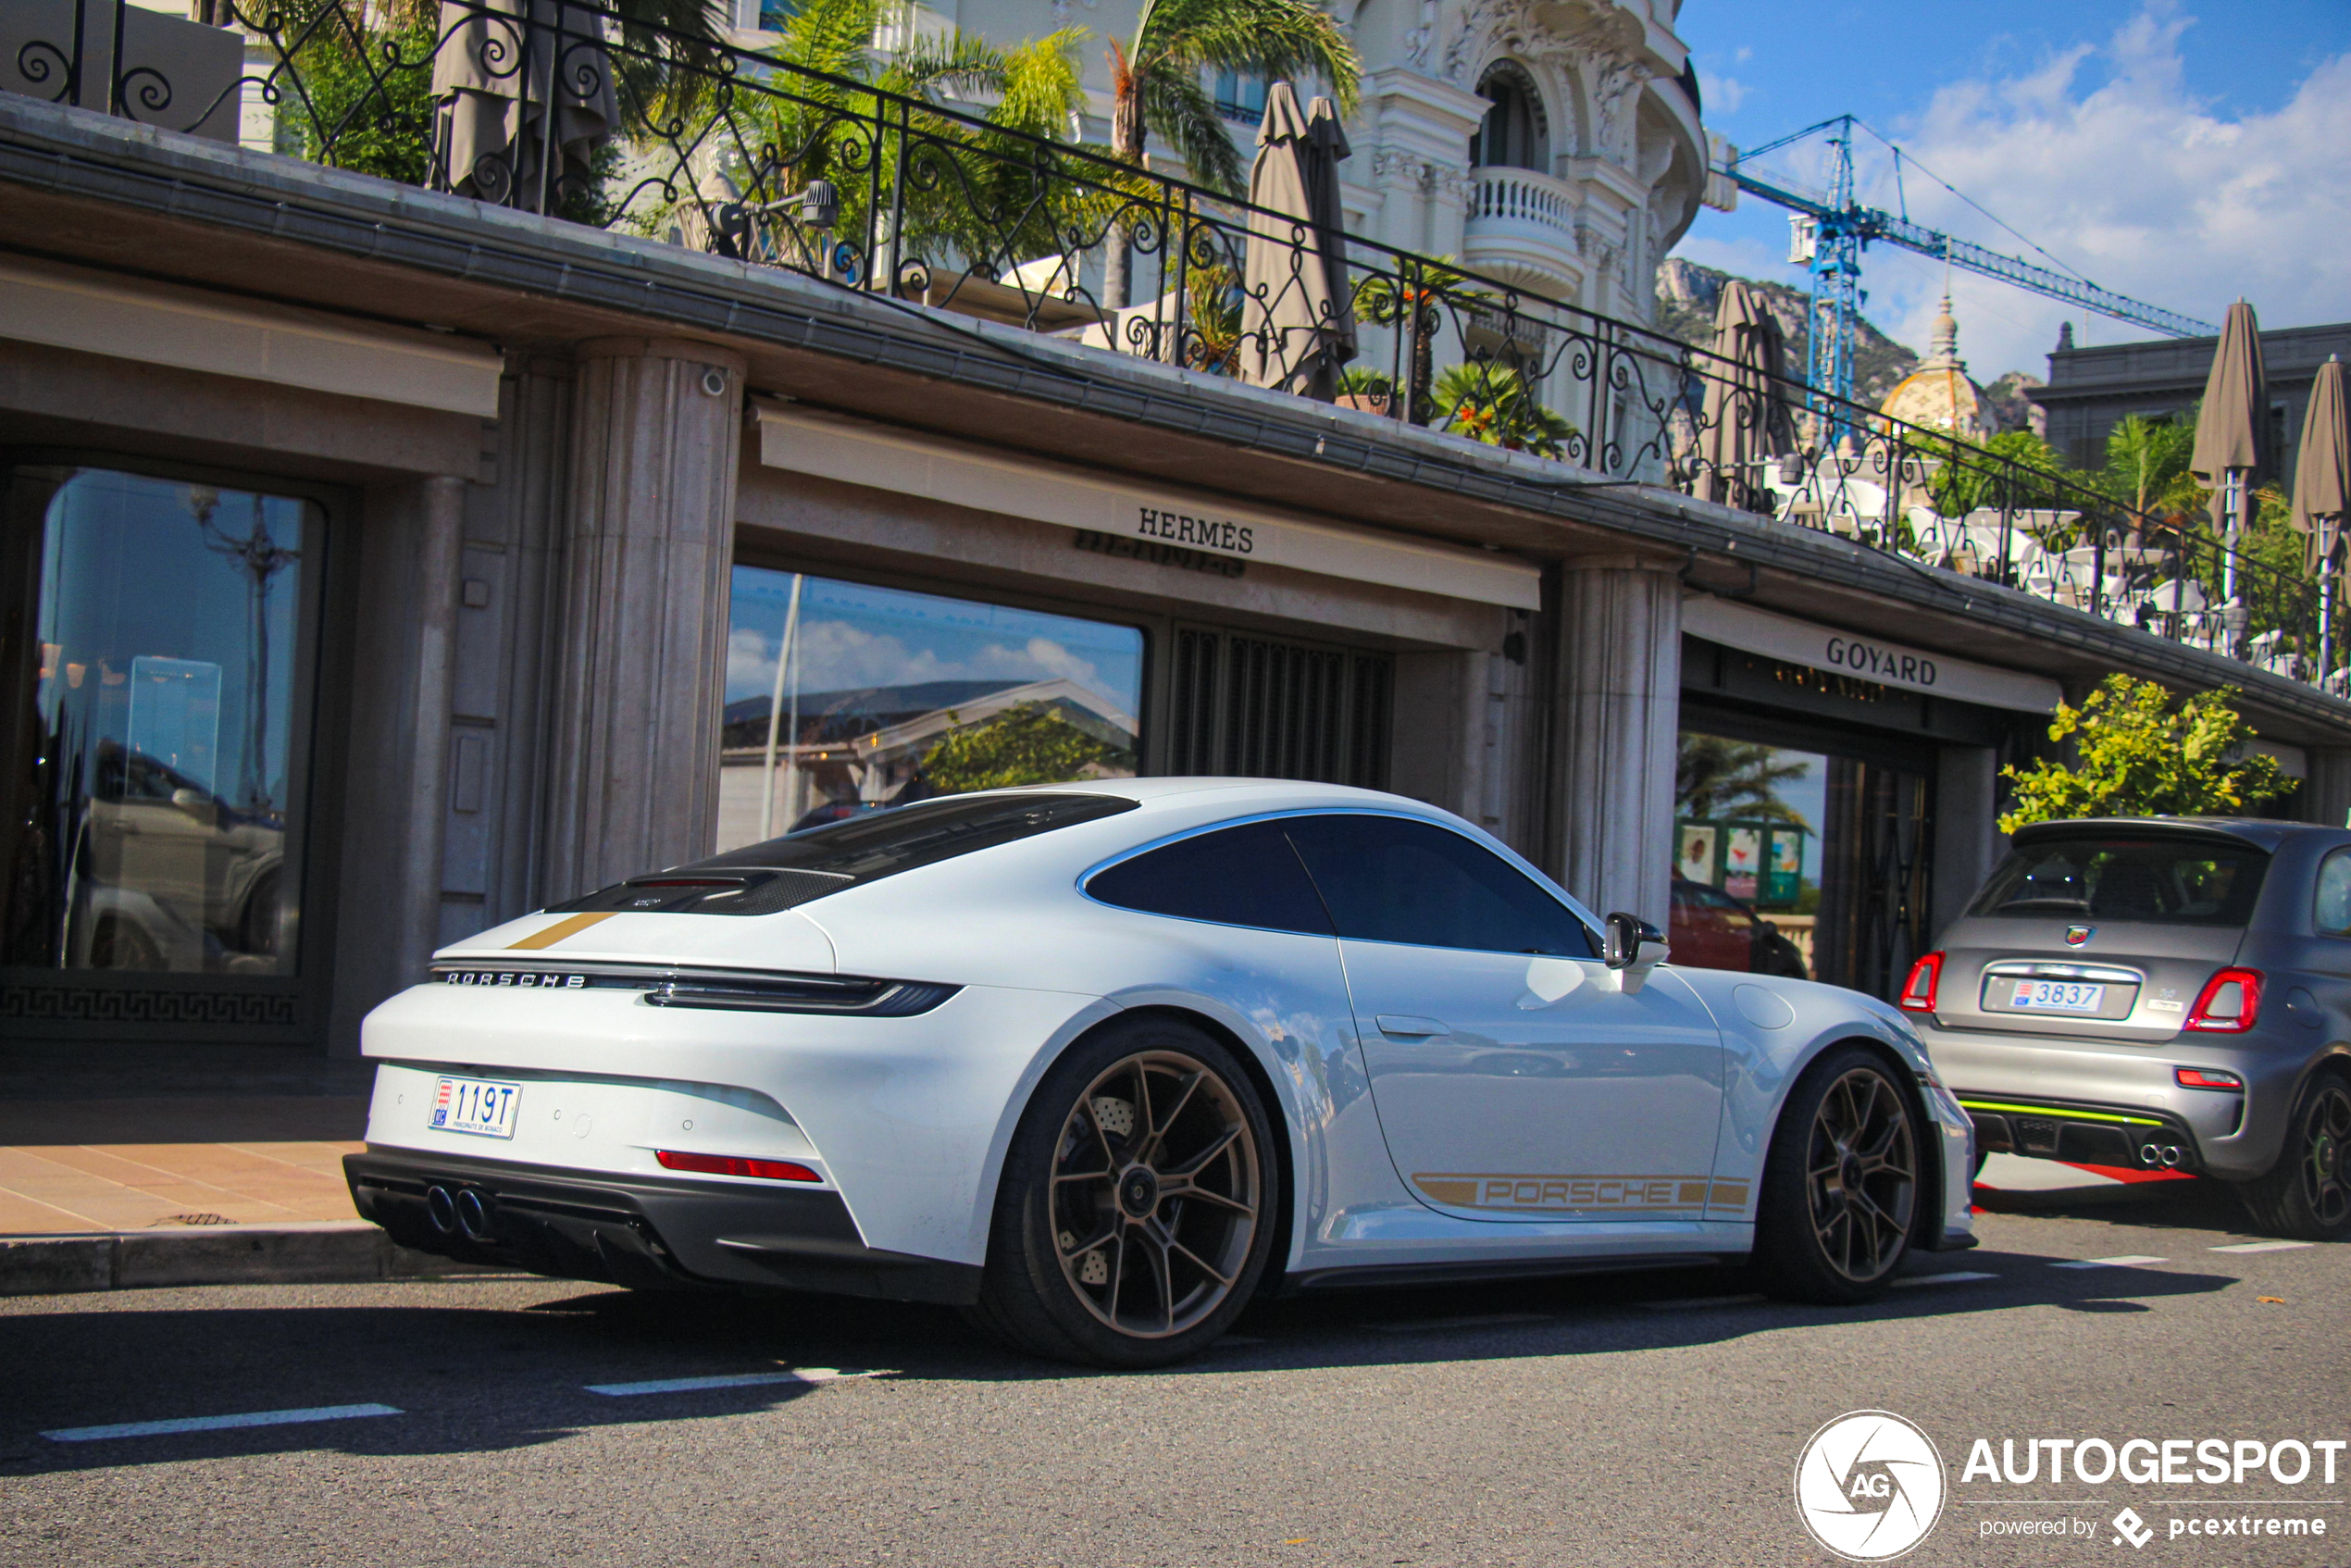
(2179, 151)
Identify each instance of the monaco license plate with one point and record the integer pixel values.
(2056, 996)
(475, 1105)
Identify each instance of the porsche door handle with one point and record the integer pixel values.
(1398, 1024)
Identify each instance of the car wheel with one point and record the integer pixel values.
(1134, 1216)
(2307, 1194)
(1841, 1184)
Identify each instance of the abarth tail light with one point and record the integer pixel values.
(735, 1166)
(2206, 1078)
(2230, 1002)
(1918, 992)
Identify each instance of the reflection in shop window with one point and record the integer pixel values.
(1746, 855)
(842, 698)
(150, 819)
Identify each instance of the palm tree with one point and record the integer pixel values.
(1414, 300)
(1715, 778)
(2147, 458)
(1155, 80)
(987, 195)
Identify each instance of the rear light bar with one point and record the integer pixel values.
(735, 1166)
(1918, 992)
(2230, 1002)
(2206, 1078)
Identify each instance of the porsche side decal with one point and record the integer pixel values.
(1616, 1194)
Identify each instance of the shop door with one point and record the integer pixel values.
(1240, 705)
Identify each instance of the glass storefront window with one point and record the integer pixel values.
(1799, 863)
(842, 698)
(152, 812)
(1746, 855)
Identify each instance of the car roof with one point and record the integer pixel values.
(2261, 833)
(1241, 794)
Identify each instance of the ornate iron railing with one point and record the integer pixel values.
(600, 114)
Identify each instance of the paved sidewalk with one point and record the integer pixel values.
(198, 1164)
(76, 1166)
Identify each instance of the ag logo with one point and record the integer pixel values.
(1868, 1485)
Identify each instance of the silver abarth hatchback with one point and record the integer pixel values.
(2160, 993)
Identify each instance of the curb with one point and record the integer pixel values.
(333, 1252)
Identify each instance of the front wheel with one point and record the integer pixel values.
(2307, 1194)
(1841, 1186)
(1135, 1213)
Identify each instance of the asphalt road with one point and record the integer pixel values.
(1633, 1420)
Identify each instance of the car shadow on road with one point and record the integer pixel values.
(478, 1373)
(2197, 1204)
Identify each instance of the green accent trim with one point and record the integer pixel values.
(2054, 1111)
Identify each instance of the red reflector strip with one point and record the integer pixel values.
(734, 1165)
(2199, 1078)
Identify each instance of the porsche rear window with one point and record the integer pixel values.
(2157, 880)
(761, 878)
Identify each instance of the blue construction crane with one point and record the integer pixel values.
(1830, 229)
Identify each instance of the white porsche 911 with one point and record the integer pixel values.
(1103, 1062)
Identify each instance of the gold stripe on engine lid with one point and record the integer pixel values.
(558, 932)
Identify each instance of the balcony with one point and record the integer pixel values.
(770, 164)
(1522, 230)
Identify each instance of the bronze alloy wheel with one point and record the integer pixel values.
(1157, 1186)
(1861, 1171)
(2323, 1158)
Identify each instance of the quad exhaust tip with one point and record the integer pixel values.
(441, 1209)
(2168, 1155)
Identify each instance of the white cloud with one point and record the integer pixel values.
(840, 654)
(1724, 95)
(2101, 155)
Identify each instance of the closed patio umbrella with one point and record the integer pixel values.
(2322, 493)
(2229, 432)
(501, 65)
(1746, 421)
(1298, 319)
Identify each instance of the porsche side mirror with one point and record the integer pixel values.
(1633, 943)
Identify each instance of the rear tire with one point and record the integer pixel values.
(1136, 1213)
(2306, 1195)
(1841, 1184)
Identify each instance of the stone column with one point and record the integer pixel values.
(2326, 791)
(388, 901)
(1616, 708)
(631, 769)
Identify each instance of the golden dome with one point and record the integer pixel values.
(1939, 393)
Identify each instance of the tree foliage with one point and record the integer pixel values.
(2139, 755)
(1027, 743)
(1496, 403)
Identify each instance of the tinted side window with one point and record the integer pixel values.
(2333, 913)
(1387, 879)
(1246, 875)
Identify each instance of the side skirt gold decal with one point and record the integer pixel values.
(1613, 1194)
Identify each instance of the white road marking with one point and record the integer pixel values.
(2128, 1260)
(1487, 1320)
(810, 1375)
(1701, 1301)
(1956, 1277)
(2264, 1246)
(216, 1423)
